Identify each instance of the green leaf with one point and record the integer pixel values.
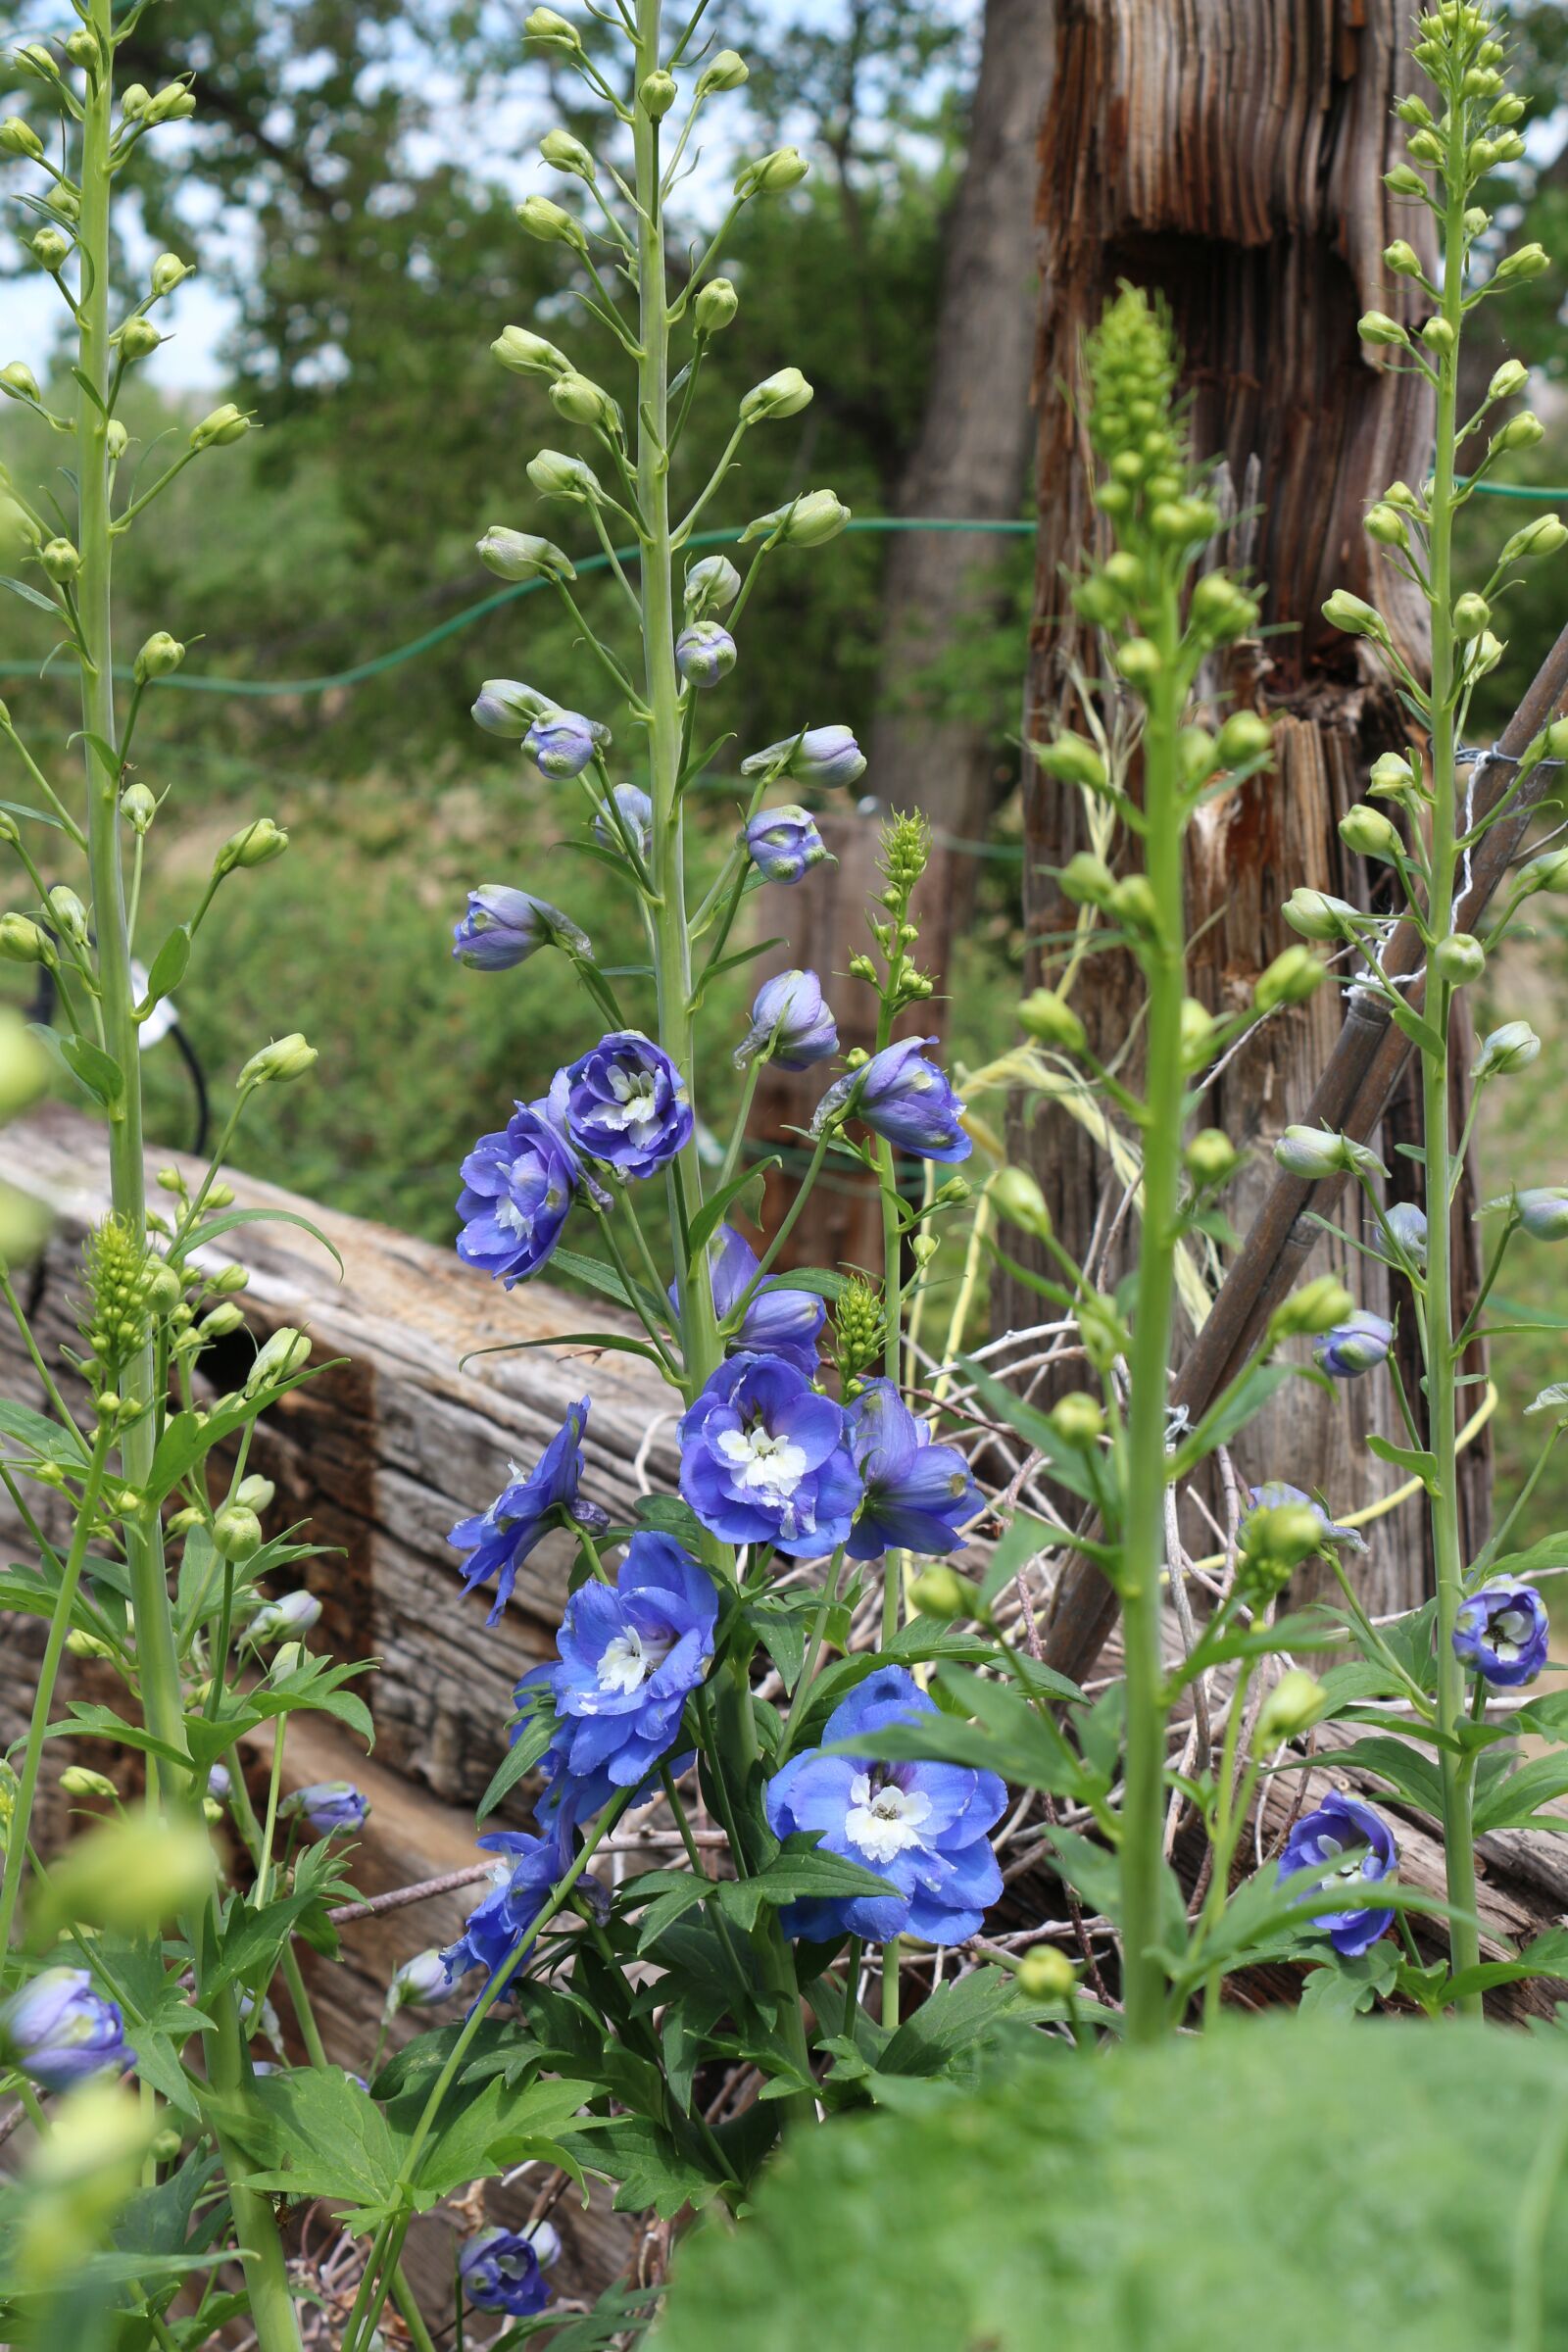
(209, 1229)
(950, 2023)
(168, 965)
(1421, 1033)
(1068, 1465)
(314, 2133)
(1515, 1801)
(97, 1071)
(1413, 1462)
(1404, 1767)
(38, 817)
(1545, 1956)
(1230, 1412)
(710, 1216)
(518, 1761)
(29, 594)
(1355, 2193)
(492, 2129)
(645, 2160)
(613, 1342)
(667, 1516)
(41, 1436)
(823, 1282)
(600, 1277)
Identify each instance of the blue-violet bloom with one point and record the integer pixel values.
(705, 652)
(500, 2272)
(917, 1494)
(790, 1023)
(819, 756)
(517, 1195)
(921, 1826)
(59, 2031)
(561, 742)
(1543, 1211)
(498, 1923)
(328, 1807)
(778, 1322)
(502, 927)
(499, 1539)
(630, 1654)
(625, 1103)
(1356, 1346)
(1502, 1632)
(904, 1099)
(1321, 1840)
(636, 811)
(1408, 1226)
(1274, 1494)
(784, 843)
(763, 1460)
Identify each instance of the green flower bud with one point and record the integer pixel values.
(1515, 268)
(555, 475)
(772, 174)
(657, 93)
(1275, 1540)
(1296, 1702)
(941, 1591)
(59, 559)
(1087, 880)
(1458, 959)
(1354, 615)
(1244, 738)
(70, 914)
(1471, 614)
(19, 138)
(117, 440)
(19, 382)
(1133, 904)
(1542, 537)
(1139, 661)
(1211, 1158)
(160, 655)
(716, 305)
(285, 1354)
(1369, 833)
(22, 941)
(521, 555)
(807, 522)
(285, 1058)
(134, 100)
(1511, 378)
(1403, 181)
(1520, 432)
(1548, 871)
(551, 224)
(130, 1875)
(1196, 755)
(1073, 760)
(1293, 975)
(138, 338)
(1376, 327)
(580, 400)
(1414, 110)
(1392, 776)
(1051, 1022)
(86, 1646)
(1016, 1196)
(1045, 1974)
(1556, 739)
(1426, 147)
(173, 103)
(1078, 1418)
(546, 24)
(1219, 611)
(1196, 1033)
(1401, 259)
(1387, 526)
(255, 1493)
(237, 1534)
(783, 394)
(1477, 221)
(1513, 1047)
(167, 272)
(527, 353)
(77, 1781)
(254, 843)
(1438, 336)
(221, 1321)
(221, 427)
(563, 153)
(725, 71)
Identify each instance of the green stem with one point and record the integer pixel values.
(43, 1698)
(814, 1651)
(1147, 1468)
(1442, 1351)
(892, 1344)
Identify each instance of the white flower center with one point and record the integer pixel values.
(1510, 1632)
(885, 1822)
(636, 1099)
(629, 1660)
(763, 1465)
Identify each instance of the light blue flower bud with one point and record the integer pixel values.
(1316, 1151)
(1359, 1345)
(421, 1983)
(1513, 1047)
(1543, 1211)
(636, 816)
(784, 844)
(1408, 1226)
(825, 756)
(502, 927)
(706, 652)
(521, 556)
(712, 586)
(561, 742)
(507, 708)
(791, 1024)
(285, 1619)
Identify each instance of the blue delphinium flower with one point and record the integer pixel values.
(790, 1023)
(631, 1653)
(516, 1194)
(784, 843)
(500, 2272)
(328, 1807)
(1543, 1211)
(825, 756)
(1502, 1632)
(560, 743)
(502, 927)
(902, 1096)
(499, 1539)
(59, 2031)
(917, 1494)
(637, 816)
(1356, 1346)
(498, 1923)
(763, 1460)
(625, 1103)
(778, 1322)
(507, 707)
(1408, 1226)
(705, 652)
(922, 1827)
(1343, 1826)
(1275, 1493)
